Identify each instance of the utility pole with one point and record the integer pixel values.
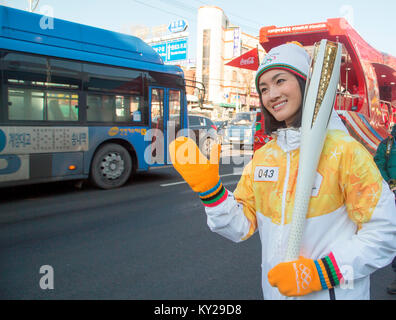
(33, 5)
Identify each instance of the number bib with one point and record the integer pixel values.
(266, 173)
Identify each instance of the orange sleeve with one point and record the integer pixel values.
(244, 195)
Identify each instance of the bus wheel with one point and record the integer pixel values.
(111, 166)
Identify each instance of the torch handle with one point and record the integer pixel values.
(301, 204)
(318, 104)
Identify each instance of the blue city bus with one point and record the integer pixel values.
(79, 102)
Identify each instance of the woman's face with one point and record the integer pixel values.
(280, 94)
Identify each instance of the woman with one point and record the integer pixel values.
(351, 222)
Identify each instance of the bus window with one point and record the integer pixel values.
(62, 106)
(157, 109)
(123, 98)
(157, 123)
(100, 107)
(25, 104)
(66, 74)
(25, 67)
(174, 109)
(112, 79)
(128, 109)
(32, 81)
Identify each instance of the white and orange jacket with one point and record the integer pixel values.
(351, 213)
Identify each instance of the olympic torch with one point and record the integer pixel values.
(319, 98)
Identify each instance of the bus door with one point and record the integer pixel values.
(174, 113)
(165, 122)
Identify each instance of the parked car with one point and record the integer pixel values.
(221, 124)
(241, 129)
(221, 128)
(204, 132)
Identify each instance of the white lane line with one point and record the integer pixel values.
(181, 182)
(172, 184)
(230, 183)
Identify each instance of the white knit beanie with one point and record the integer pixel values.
(290, 56)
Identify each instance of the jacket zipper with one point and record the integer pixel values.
(283, 217)
(285, 187)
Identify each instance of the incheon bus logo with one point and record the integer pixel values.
(113, 131)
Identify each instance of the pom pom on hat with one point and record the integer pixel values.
(290, 56)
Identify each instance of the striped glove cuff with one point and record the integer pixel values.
(214, 196)
(329, 273)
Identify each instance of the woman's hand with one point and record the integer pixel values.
(200, 173)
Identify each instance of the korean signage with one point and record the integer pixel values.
(172, 50)
(178, 26)
(161, 50)
(23, 140)
(237, 42)
(297, 29)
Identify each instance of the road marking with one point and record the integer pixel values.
(181, 182)
(230, 183)
(172, 184)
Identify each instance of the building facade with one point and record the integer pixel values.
(221, 90)
(218, 42)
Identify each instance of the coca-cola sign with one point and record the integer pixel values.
(247, 61)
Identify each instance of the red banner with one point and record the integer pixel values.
(248, 60)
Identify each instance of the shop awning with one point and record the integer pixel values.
(227, 105)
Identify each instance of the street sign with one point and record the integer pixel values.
(178, 26)
(161, 50)
(177, 50)
(173, 50)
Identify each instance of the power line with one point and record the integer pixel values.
(157, 8)
(189, 9)
(180, 5)
(256, 29)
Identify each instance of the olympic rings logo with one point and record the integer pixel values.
(303, 276)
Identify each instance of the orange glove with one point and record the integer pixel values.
(303, 276)
(201, 174)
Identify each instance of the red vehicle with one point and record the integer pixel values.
(366, 99)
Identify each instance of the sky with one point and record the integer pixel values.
(375, 20)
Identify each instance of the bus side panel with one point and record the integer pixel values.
(14, 168)
(33, 154)
(135, 136)
(67, 163)
(40, 166)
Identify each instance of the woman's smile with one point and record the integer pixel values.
(280, 94)
(279, 105)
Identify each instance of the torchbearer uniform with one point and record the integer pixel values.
(350, 228)
(351, 222)
(351, 213)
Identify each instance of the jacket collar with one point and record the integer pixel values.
(289, 139)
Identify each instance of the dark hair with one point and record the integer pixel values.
(271, 124)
